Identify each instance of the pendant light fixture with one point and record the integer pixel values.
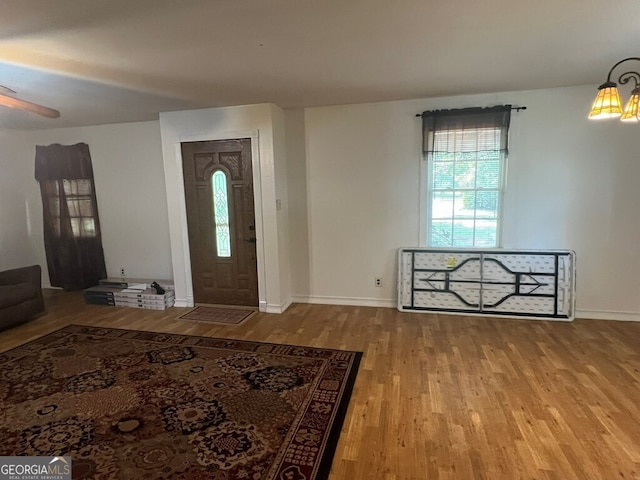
(608, 104)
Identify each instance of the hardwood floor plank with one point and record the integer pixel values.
(445, 397)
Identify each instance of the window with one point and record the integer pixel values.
(77, 200)
(71, 226)
(221, 214)
(466, 152)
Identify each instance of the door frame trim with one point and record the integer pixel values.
(253, 135)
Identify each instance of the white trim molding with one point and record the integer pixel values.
(354, 301)
(251, 121)
(391, 303)
(271, 308)
(608, 315)
(253, 135)
(181, 302)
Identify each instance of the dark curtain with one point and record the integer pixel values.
(465, 118)
(72, 236)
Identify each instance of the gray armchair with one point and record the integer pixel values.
(20, 295)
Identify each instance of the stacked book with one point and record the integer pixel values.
(134, 293)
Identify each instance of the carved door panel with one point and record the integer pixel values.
(218, 183)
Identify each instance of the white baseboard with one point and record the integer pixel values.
(355, 301)
(272, 308)
(183, 302)
(608, 315)
(390, 303)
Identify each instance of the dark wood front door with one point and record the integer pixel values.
(218, 184)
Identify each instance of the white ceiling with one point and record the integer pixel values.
(106, 61)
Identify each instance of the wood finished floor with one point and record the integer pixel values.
(445, 397)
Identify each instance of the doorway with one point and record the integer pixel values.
(218, 184)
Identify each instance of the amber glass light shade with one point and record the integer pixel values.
(607, 103)
(632, 110)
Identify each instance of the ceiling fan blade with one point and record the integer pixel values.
(11, 102)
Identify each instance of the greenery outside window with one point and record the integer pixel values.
(466, 152)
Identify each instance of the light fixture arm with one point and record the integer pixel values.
(626, 74)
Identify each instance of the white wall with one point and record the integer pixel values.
(572, 183)
(349, 188)
(264, 124)
(20, 206)
(129, 178)
(297, 193)
(278, 122)
(362, 187)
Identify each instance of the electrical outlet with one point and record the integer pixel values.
(378, 282)
(122, 271)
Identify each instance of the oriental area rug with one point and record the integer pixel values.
(227, 316)
(127, 404)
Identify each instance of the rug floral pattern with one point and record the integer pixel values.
(141, 405)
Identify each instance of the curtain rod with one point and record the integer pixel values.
(517, 109)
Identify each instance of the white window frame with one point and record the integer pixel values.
(425, 201)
